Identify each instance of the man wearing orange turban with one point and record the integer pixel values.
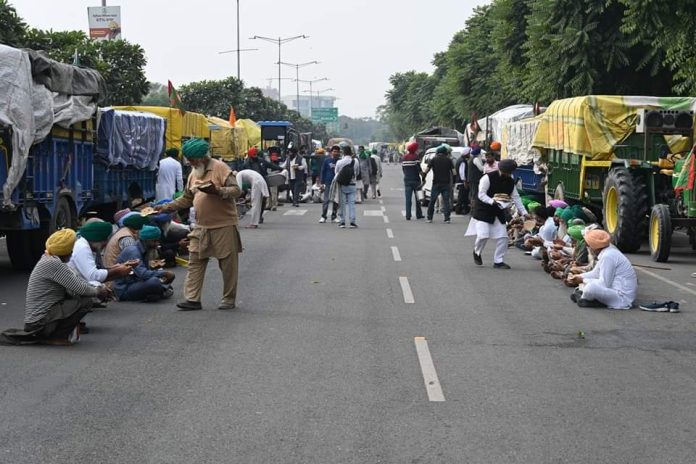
(613, 282)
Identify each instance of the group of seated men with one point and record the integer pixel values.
(83, 270)
(573, 248)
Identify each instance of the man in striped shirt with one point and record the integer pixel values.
(57, 299)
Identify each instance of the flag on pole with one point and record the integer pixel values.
(174, 100)
(687, 175)
(233, 116)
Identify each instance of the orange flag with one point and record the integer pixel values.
(233, 117)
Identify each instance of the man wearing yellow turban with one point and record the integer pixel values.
(57, 299)
(212, 190)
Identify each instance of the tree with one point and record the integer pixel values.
(156, 96)
(12, 28)
(408, 107)
(120, 62)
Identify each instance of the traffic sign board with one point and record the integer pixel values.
(324, 115)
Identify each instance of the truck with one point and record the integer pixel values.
(617, 156)
(434, 136)
(50, 172)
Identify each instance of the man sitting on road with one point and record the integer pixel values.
(144, 284)
(124, 237)
(57, 299)
(612, 283)
(87, 250)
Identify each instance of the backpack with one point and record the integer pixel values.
(373, 166)
(345, 175)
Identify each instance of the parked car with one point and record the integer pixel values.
(427, 185)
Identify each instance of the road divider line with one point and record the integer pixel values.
(384, 210)
(665, 280)
(396, 254)
(381, 202)
(386, 219)
(406, 290)
(390, 233)
(432, 383)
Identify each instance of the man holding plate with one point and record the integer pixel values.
(212, 190)
(491, 212)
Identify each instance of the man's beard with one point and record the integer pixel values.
(199, 171)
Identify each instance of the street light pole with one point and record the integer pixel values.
(239, 51)
(280, 41)
(297, 67)
(311, 82)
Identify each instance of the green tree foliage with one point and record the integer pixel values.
(120, 62)
(524, 51)
(156, 96)
(12, 28)
(216, 97)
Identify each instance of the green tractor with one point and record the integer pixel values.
(616, 155)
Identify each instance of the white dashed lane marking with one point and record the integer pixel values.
(406, 290)
(432, 383)
(395, 253)
(390, 233)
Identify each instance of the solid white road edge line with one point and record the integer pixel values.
(386, 219)
(432, 383)
(665, 280)
(396, 254)
(390, 233)
(406, 290)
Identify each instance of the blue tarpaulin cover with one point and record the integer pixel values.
(130, 138)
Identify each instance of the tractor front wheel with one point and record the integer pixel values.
(660, 233)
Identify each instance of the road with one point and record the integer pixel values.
(322, 361)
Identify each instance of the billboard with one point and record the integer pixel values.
(324, 115)
(104, 22)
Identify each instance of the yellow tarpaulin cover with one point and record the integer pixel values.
(221, 139)
(594, 125)
(188, 126)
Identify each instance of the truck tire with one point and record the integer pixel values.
(660, 233)
(25, 248)
(622, 213)
(63, 216)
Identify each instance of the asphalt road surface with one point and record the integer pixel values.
(326, 360)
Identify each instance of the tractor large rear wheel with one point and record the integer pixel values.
(624, 208)
(660, 233)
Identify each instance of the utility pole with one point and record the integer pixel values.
(311, 82)
(280, 41)
(297, 67)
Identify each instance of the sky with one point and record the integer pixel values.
(359, 43)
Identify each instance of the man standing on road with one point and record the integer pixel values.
(375, 173)
(297, 168)
(365, 172)
(489, 215)
(252, 180)
(212, 190)
(274, 155)
(326, 178)
(347, 187)
(474, 172)
(443, 171)
(57, 299)
(462, 206)
(169, 177)
(412, 179)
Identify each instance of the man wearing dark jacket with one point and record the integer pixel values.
(326, 178)
(443, 172)
(410, 165)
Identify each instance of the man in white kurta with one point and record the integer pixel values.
(496, 229)
(250, 179)
(613, 281)
(169, 177)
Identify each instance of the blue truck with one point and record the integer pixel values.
(51, 170)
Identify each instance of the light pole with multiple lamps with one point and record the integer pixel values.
(297, 67)
(239, 50)
(280, 41)
(311, 82)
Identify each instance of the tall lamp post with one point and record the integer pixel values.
(280, 41)
(297, 67)
(238, 51)
(311, 82)
(318, 92)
